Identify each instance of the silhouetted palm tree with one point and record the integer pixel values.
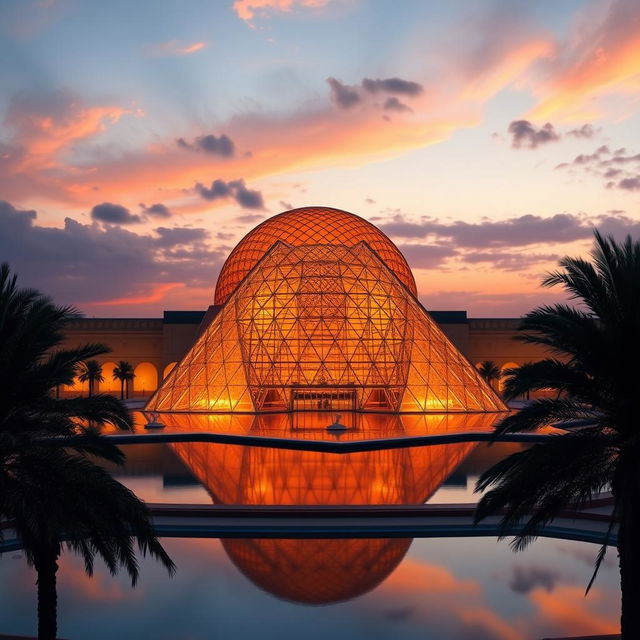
(50, 491)
(595, 372)
(123, 371)
(490, 371)
(91, 372)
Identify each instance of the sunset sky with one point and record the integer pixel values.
(139, 141)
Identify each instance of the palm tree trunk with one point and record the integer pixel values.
(629, 558)
(122, 389)
(46, 564)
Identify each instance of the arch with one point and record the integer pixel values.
(109, 385)
(146, 378)
(76, 389)
(503, 368)
(168, 369)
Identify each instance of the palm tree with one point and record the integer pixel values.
(490, 371)
(596, 353)
(91, 372)
(123, 371)
(51, 493)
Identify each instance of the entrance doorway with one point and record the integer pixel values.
(324, 399)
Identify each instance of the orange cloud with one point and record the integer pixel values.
(158, 292)
(596, 62)
(278, 145)
(45, 136)
(174, 48)
(567, 608)
(509, 69)
(413, 575)
(247, 9)
(484, 618)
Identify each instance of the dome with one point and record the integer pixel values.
(309, 226)
(314, 571)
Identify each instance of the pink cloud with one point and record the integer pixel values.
(600, 58)
(157, 293)
(248, 9)
(174, 48)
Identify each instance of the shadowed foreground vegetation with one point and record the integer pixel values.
(51, 493)
(596, 345)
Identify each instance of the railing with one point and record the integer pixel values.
(327, 446)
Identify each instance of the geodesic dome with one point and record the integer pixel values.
(328, 325)
(304, 227)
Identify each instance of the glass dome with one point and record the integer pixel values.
(309, 226)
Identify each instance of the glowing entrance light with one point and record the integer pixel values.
(316, 320)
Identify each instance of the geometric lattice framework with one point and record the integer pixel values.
(323, 327)
(318, 571)
(304, 227)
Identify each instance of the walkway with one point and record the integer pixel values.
(422, 521)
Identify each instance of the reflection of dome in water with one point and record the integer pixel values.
(317, 571)
(308, 226)
(265, 476)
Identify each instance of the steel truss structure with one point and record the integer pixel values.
(323, 327)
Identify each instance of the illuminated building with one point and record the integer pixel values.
(319, 313)
(321, 571)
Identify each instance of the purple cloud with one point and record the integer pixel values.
(220, 146)
(236, 189)
(527, 135)
(157, 210)
(85, 263)
(343, 95)
(393, 85)
(520, 231)
(114, 214)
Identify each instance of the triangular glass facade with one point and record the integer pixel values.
(323, 327)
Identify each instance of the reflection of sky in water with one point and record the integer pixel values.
(470, 589)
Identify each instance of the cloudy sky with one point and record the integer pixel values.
(139, 141)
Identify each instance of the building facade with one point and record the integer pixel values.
(154, 346)
(312, 301)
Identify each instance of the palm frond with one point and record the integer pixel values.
(531, 487)
(545, 411)
(548, 374)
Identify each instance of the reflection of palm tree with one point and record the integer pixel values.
(50, 491)
(92, 373)
(599, 344)
(490, 371)
(123, 371)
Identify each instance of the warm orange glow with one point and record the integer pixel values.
(168, 369)
(109, 384)
(503, 369)
(266, 476)
(567, 608)
(146, 378)
(328, 325)
(593, 76)
(317, 571)
(304, 227)
(321, 571)
(157, 292)
(77, 388)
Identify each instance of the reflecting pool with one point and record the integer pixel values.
(359, 587)
(470, 589)
(198, 473)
